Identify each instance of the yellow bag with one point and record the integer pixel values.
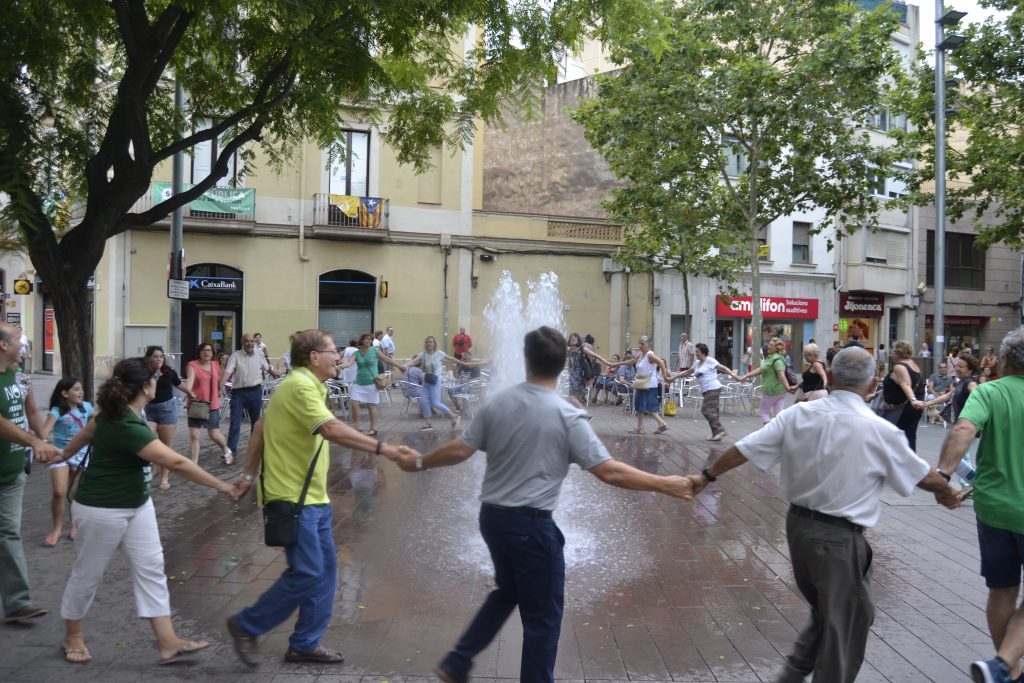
(670, 408)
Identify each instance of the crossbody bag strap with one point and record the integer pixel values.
(309, 475)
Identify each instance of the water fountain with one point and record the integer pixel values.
(509, 318)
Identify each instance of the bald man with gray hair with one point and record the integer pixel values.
(835, 456)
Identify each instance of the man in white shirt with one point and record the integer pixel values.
(245, 370)
(686, 353)
(387, 342)
(834, 495)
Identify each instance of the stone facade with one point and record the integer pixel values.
(544, 165)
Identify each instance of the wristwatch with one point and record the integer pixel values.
(707, 475)
(942, 474)
(419, 463)
(379, 444)
(247, 477)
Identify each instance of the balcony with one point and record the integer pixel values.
(346, 215)
(231, 205)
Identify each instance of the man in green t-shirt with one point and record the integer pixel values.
(996, 410)
(17, 413)
(292, 432)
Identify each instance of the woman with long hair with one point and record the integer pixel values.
(114, 511)
(646, 397)
(989, 365)
(577, 354)
(203, 383)
(363, 391)
(162, 411)
(69, 413)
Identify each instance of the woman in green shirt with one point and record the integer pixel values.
(774, 385)
(113, 509)
(364, 392)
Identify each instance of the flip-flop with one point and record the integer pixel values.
(661, 430)
(47, 543)
(164, 486)
(636, 431)
(183, 652)
(83, 651)
(371, 432)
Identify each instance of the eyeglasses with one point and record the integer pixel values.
(330, 350)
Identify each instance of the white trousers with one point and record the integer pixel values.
(101, 531)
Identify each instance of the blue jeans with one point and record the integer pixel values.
(308, 584)
(529, 569)
(430, 400)
(14, 589)
(250, 400)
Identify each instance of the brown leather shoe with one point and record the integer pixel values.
(317, 656)
(446, 675)
(246, 646)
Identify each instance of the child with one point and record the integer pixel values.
(68, 415)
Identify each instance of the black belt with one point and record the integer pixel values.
(254, 386)
(822, 517)
(536, 513)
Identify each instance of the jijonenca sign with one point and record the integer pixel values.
(863, 305)
(771, 307)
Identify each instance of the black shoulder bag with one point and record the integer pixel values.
(281, 517)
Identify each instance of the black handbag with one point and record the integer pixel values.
(281, 517)
(75, 478)
(429, 378)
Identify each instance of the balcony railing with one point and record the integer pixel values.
(899, 7)
(217, 203)
(347, 211)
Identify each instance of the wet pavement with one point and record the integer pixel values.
(656, 589)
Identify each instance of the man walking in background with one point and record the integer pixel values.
(245, 370)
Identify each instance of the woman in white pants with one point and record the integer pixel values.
(113, 510)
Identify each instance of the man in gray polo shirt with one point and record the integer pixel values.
(835, 456)
(531, 435)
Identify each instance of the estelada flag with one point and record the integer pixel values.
(370, 211)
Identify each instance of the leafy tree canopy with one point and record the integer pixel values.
(986, 173)
(752, 113)
(87, 108)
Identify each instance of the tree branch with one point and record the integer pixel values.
(258, 105)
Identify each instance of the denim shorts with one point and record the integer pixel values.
(163, 413)
(1002, 556)
(212, 423)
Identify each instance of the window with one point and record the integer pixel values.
(350, 173)
(876, 248)
(206, 153)
(965, 263)
(735, 159)
(764, 252)
(801, 242)
(884, 120)
(878, 185)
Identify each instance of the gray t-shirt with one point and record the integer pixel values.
(531, 435)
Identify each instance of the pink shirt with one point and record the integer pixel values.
(203, 388)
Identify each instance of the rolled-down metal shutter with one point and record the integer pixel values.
(346, 323)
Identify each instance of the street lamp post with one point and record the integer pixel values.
(942, 44)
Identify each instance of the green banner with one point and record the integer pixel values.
(215, 200)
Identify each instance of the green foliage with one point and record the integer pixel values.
(778, 83)
(986, 175)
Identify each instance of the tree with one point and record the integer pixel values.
(750, 114)
(987, 173)
(87, 112)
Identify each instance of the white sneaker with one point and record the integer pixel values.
(455, 421)
(427, 428)
(229, 457)
(717, 437)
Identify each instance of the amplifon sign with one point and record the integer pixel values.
(861, 305)
(791, 308)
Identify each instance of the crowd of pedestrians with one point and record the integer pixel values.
(854, 397)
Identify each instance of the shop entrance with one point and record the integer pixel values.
(347, 299)
(213, 312)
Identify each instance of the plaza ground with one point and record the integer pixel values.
(657, 589)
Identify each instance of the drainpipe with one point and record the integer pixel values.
(302, 208)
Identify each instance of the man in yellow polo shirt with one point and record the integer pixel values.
(293, 431)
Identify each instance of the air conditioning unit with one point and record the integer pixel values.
(610, 266)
